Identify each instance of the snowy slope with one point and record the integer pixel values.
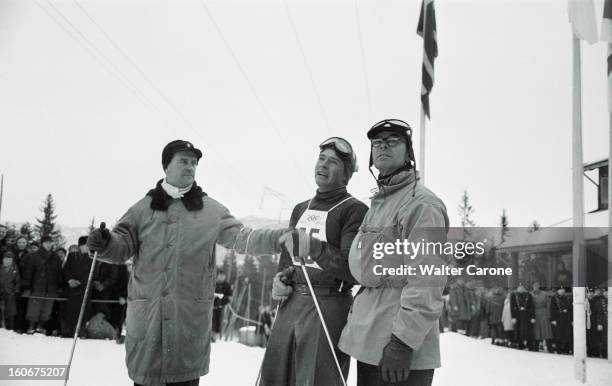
(466, 361)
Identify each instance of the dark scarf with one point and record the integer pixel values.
(160, 200)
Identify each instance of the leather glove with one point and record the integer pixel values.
(300, 244)
(98, 239)
(280, 290)
(395, 362)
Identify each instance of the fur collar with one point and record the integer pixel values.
(160, 200)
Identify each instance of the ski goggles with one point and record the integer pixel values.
(396, 125)
(343, 147)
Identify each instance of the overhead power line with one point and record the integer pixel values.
(363, 60)
(106, 63)
(307, 65)
(263, 107)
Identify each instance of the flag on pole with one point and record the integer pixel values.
(606, 26)
(427, 30)
(606, 36)
(581, 14)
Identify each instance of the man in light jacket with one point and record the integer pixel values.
(392, 329)
(171, 234)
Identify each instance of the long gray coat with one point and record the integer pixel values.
(171, 288)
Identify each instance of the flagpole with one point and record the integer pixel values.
(1, 192)
(422, 147)
(578, 292)
(609, 206)
(423, 117)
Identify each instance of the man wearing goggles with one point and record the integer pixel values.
(298, 352)
(392, 330)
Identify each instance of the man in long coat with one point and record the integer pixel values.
(172, 234)
(523, 315)
(561, 316)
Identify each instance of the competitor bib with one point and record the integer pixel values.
(314, 222)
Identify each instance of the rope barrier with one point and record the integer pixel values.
(242, 317)
(65, 299)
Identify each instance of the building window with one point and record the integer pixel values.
(603, 188)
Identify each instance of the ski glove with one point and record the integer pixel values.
(299, 244)
(395, 362)
(280, 290)
(98, 239)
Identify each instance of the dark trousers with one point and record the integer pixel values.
(369, 375)
(298, 353)
(193, 382)
(71, 314)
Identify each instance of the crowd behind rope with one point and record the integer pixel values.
(42, 287)
(534, 318)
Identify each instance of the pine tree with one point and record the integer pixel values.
(534, 226)
(503, 223)
(466, 211)
(92, 225)
(46, 225)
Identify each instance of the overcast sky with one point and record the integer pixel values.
(258, 85)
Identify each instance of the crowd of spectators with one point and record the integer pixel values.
(536, 319)
(42, 287)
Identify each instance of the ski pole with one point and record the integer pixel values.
(82, 311)
(314, 298)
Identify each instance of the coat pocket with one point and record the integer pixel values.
(137, 318)
(378, 252)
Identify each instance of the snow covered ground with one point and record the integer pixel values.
(466, 361)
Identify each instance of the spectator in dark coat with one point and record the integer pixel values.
(3, 232)
(21, 248)
(461, 305)
(21, 256)
(561, 316)
(75, 274)
(223, 295)
(120, 290)
(599, 324)
(42, 278)
(103, 282)
(265, 325)
(494, 307)
(9, 288)
(542, 332)
(523, 312)
(10, 240)
(33, 247)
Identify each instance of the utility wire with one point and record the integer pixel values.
(167, 100)
(183, 117)
(97, 55)
(251, 86)
(307, 65)
(363, 60)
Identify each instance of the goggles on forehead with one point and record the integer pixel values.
(343, 147)
(389, 123)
